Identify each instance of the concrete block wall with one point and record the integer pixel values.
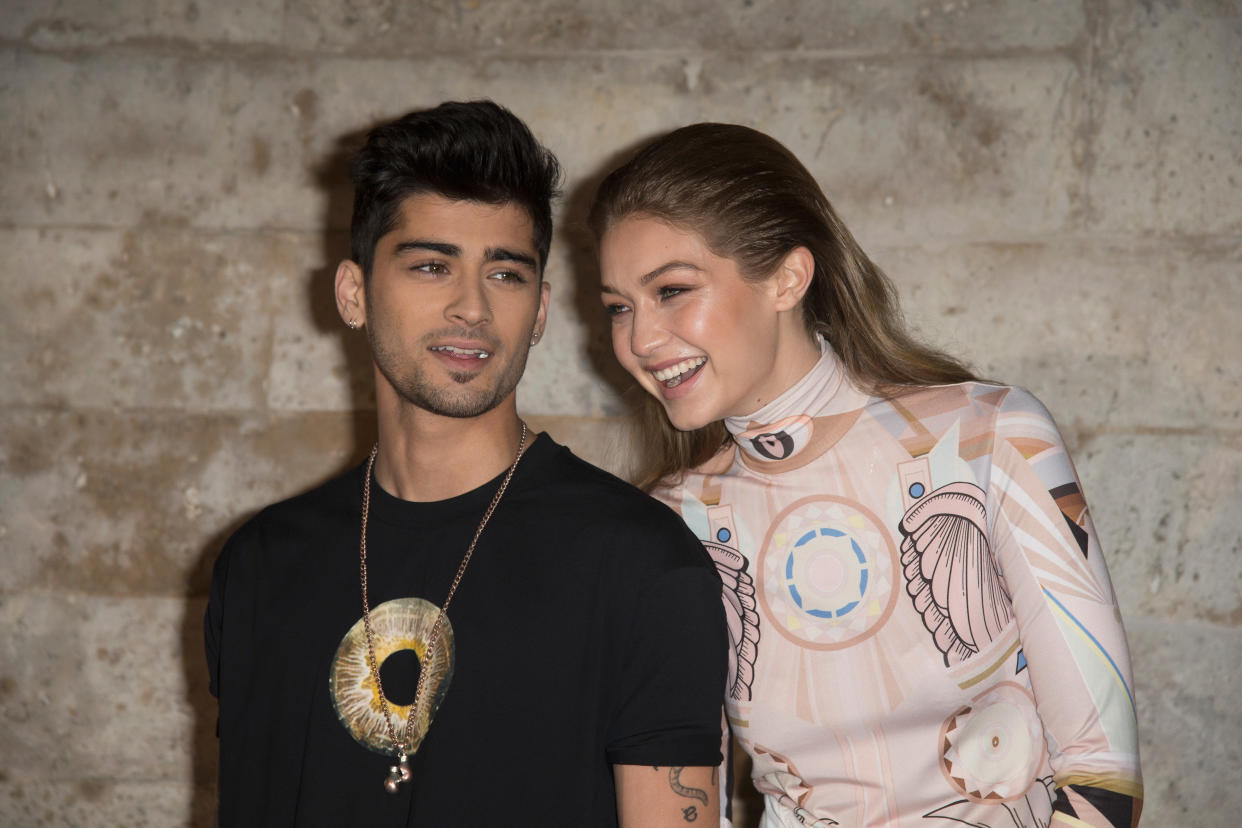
(1054, 187)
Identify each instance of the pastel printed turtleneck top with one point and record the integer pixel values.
(923, 628)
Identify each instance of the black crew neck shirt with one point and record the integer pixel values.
(586, 632)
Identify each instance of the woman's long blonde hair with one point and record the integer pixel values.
(753, 202)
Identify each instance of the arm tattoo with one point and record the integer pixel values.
(674, 782)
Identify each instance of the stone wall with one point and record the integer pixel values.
(1054, 186)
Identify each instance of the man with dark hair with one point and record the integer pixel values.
(474, 627)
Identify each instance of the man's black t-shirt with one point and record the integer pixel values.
(587, 632)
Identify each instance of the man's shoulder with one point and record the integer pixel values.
(311, 512)
(576, 483)
(586, 500)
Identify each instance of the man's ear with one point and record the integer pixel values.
(793, 278)
(541, 317)
(351, 294)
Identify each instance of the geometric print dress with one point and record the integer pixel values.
(922, 625)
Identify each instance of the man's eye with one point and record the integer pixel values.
(510, 276)
(431, 267)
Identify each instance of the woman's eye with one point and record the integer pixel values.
(670, 292)
(615, 309)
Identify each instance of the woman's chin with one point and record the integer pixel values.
(679, 403)
(685, 420)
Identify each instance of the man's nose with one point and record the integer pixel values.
(469, 305)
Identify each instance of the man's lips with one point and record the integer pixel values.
(462, 352)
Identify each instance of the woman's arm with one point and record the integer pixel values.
(1070, 626)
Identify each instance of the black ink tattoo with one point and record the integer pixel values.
(674, 782)
(714, 776)
(689, 814)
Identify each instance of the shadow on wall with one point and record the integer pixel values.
(333, 179)
(576, 235)
(203, 748)
(332, 175)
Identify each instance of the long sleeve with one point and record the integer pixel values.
(1070, 627)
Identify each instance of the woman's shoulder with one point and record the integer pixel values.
(980, 396)
(1008, 413)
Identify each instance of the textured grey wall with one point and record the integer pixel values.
(1054, 186)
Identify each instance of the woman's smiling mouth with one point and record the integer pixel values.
(674, 375)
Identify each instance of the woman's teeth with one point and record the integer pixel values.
(464, 352)
(675, 375)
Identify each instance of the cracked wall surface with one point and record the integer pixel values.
(1054, 188)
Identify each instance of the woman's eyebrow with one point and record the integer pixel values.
(676, 264)
(646, 278)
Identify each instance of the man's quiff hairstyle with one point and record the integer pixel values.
(473, 151)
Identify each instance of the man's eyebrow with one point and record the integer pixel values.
(491, 254)
(504, 254)
(443, 248)
(647, 278)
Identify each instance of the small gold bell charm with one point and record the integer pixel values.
(398, 773)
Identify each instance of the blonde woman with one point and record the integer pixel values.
(922, 623)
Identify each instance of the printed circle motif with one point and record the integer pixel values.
(773, 445)
(397, 625)
(828, 569)
(992, 750)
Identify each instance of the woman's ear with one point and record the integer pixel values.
(351, 292)
(793, 278)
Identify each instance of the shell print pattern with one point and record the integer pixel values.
(950, 574)
(991, 753)
(739, 601)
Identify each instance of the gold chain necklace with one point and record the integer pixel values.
(400, 772)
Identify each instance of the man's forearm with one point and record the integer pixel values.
(667, 797)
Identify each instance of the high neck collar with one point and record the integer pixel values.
(783, 427)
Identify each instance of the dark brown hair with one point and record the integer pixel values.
(752, 201)
(473, 151)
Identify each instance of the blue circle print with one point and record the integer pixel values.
(916, 490)
(723, 534)
(834, 600)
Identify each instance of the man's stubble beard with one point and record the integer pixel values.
(413, 386)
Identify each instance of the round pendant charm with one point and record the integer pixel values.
(394, 780)
(404, 769)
